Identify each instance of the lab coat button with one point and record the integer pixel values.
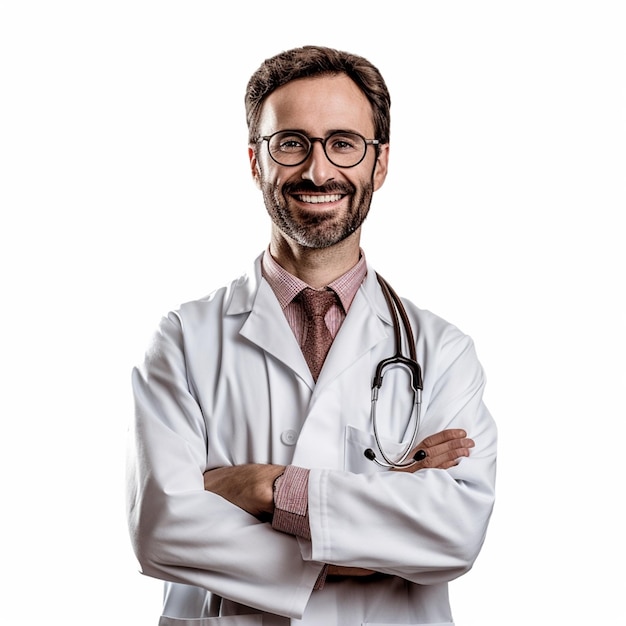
(289, 437)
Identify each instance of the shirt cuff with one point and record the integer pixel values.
(321, 579)
(291, 502)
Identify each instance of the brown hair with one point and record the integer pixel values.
(315, 61)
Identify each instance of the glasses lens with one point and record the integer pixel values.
(289, 148)
(345, 149)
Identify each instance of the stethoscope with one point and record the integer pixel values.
(397, 310)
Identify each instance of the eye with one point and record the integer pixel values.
(289, 143)
(345, 142)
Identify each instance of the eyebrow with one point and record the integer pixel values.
(328, 134)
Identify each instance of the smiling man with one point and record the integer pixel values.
(317, 183)
(268, 482)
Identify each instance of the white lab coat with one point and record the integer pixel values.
(225, 383)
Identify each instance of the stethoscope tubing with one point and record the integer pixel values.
(398, 312)
(401, 462)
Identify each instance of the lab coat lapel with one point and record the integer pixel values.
(266, 325)
(367, 324)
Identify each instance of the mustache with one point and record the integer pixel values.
(306, 186)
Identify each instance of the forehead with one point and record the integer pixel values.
(317, 106)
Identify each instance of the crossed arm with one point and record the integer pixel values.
(251, 486)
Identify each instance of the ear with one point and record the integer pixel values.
(380, 169)
(254, 166)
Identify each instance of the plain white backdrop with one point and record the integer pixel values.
(125, 190)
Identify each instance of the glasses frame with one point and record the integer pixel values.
(323, 141)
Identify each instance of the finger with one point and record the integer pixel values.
(423, 450)
(455, 444)
(448, 465)
(441, 456)
(445, 456)
(443, 436)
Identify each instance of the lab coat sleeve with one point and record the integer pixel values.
(427, 527)
(180, 532)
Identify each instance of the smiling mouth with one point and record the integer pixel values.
(334, 197)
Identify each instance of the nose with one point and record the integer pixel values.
(317, 168)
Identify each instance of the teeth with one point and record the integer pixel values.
(320, 199)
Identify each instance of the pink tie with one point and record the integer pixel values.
(318, 337)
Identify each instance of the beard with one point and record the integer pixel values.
(316, 228)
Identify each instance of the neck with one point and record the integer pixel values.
(316, 267)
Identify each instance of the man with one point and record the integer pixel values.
(252, 489)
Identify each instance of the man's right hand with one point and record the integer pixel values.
(248, 486)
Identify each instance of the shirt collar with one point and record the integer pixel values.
(286, 286)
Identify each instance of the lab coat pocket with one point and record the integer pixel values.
(357, 442)
(230, 620)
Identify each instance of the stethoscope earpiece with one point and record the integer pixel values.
(370, 454)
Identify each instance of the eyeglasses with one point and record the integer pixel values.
(343, 149)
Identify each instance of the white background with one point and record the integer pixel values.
(125, 190)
